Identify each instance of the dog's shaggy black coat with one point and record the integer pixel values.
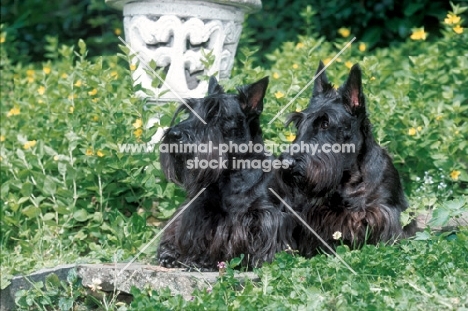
(234, 215)
(358, 194)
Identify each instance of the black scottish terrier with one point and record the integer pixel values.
(354, 191)
(234, 215)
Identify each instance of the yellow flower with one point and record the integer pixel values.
(95, 118)
(78, 83)
(454, 174)
(138, 132)
(418, 34)
(452, 19)
(114, 74)
(279, 95)
(99, 153)
(29, 144)
(71, 109)
(295, 66)
(46, 70)
(133, 67)
(2, 138)
(117, 31)
(30, 74)
(40, 101)
(344, 32)
(299, 45)
(13, 112)
(2, 39)
(290, 137)
(458, 29)
(89, 152)
(419, 128)
(64, 75)
(438, 118)
(348, 64)
(72, 96)
(276, 75)
(412, 131)
(41, 90)
(56, 157)
(362, 47)
(372, 78)
(92, 92)
(327, 60)
(138, 123)
(298, 109)
(337, 235)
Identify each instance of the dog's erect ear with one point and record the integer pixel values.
(214, 87)
(321, 83)
(296, 118)
(351, 91)
(251, 96)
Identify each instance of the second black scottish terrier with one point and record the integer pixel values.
(233, 216)
(356, 191)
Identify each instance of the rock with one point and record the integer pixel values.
(7, 296)
(112, 277)
(424, 218)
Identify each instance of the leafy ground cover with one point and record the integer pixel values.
(69, 194)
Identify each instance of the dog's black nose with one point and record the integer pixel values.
(175, 134)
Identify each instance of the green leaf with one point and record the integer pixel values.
(20, 154)
(440, 217)
(31, 211)
(49, 186)
(48, 216)
(236, 261)
(65, 303)
(27, 189)
(52, 281)
(82, 46)
(80, 215)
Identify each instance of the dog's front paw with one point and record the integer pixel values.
(168, 258)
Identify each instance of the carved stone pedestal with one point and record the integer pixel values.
(175, 35)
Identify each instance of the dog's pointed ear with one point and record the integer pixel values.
(321, 83)
(214, 87)
(353, 96)
(251, 96)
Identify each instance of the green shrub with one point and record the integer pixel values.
(378, 23)
(31, 23)
(66, 188)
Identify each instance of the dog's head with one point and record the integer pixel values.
(333, 126)
(212, 121)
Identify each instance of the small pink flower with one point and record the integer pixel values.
(221, 265)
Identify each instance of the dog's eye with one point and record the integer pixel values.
(324, 125)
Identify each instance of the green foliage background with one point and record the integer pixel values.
(68, 194)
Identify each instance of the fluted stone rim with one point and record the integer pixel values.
(248, 6)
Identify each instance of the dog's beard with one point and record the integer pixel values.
(185, 170)
(314, 175)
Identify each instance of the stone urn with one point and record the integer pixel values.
(177, 41)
